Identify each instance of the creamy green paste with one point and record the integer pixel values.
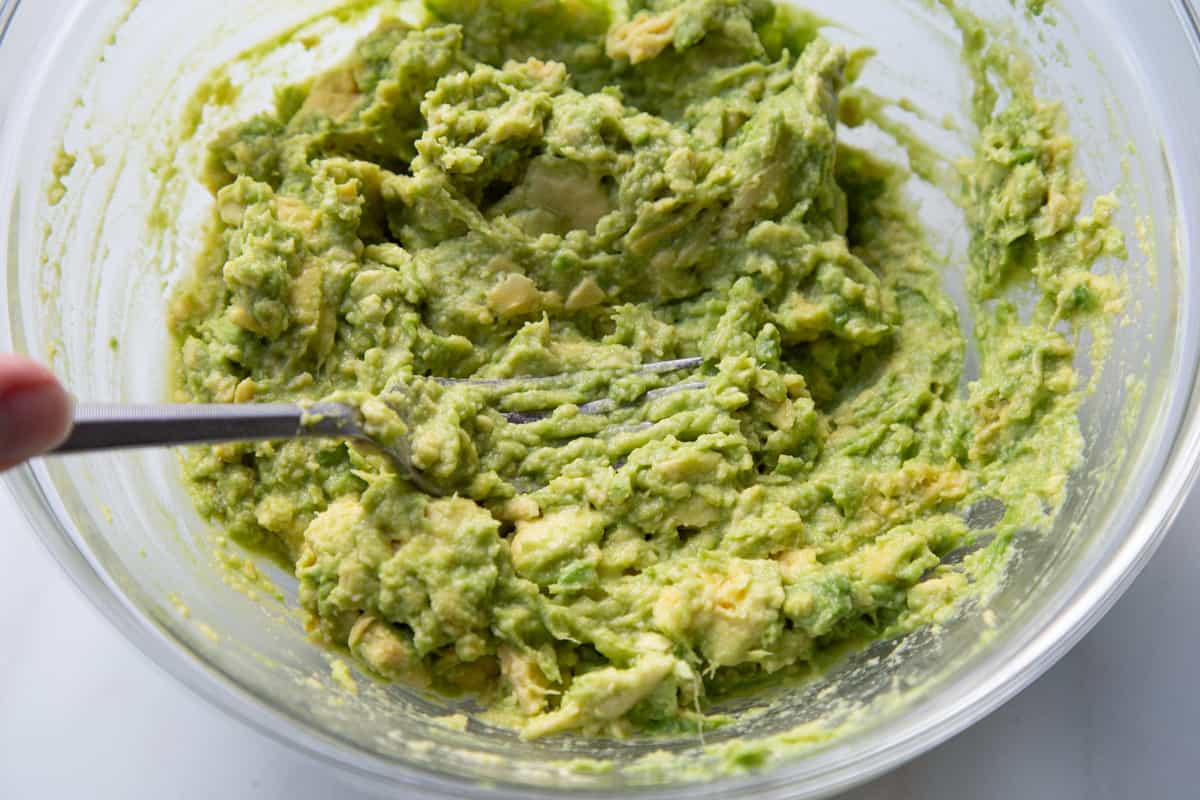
(521, 190)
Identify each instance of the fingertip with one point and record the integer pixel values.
(17, 372)
(35, 411)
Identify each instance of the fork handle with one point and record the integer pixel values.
(108, 427)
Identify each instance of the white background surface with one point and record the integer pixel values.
(82, 714)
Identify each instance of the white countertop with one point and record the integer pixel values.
(83, 714)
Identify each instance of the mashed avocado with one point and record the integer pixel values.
(514, 191)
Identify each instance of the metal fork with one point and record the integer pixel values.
(100, 426)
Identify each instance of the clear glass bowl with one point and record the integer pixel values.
(85, 282)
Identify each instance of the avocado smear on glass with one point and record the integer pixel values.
(515, 191)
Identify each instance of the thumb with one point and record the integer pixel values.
(35, 411)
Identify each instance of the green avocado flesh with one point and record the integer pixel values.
(516, 191)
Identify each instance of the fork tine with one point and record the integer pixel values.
(666, 391)
(605, 405)
(676, 365)
(652, 368)
(608, 405)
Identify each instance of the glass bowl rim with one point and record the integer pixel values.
(1026, 657)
